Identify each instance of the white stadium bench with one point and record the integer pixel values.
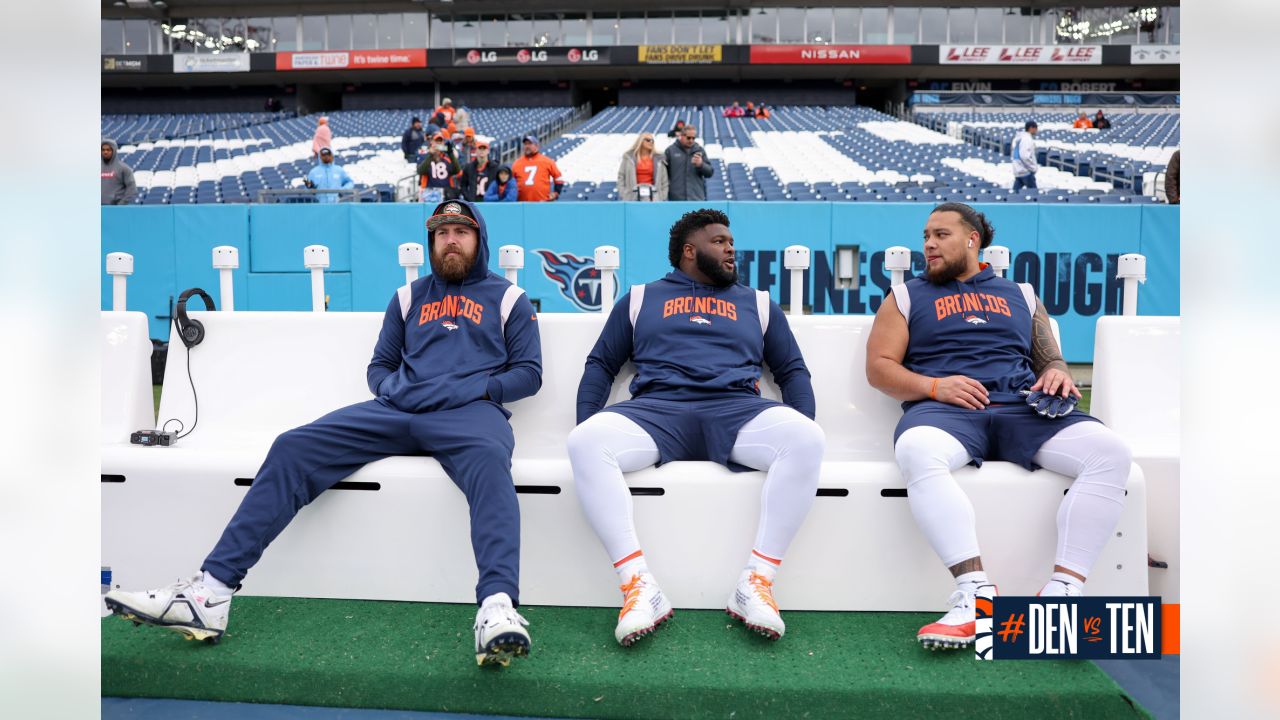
(397, 529)
(127, 402)
(1137, 390)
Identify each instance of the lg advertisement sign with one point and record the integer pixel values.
(482, 57)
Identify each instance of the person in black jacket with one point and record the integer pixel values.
(413, 139)
(478, 174)
(675, 131)
(1100, 121)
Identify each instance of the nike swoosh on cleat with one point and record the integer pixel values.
(210, 604)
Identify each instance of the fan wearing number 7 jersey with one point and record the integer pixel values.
(536, 174)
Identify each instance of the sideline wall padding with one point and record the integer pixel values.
(1068, 252)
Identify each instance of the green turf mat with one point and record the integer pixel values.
(419, 656)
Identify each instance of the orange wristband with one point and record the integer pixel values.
(933, 390)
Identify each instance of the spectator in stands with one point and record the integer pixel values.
(446, 111)
(1023, 153)
(323, 137)
(675, 131)
(1100, 121)
(462, 118)
(750, 111)
(1172, 190)
(734, 111)
(1082, 122)
(762, 111)
(118, 187)
(413, 139)
(687, 167)
(643, 172)
(538, 177)
(328, 176)
(439, 167)
(273, 105)
(504, 187)
(465, 145)
(446, 360)
(479, 174)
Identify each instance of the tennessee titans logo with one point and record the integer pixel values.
(578, 278)
(974, 320)
(699, 320)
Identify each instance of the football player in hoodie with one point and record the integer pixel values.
(973, 359)
(698, 341)
(455, 346)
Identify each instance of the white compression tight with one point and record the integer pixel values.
(1090, 452)
(780, 440)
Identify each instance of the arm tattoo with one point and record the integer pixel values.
(1044, 349)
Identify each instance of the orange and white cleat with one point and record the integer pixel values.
(752, 602)
(644, 608)
(957, 628)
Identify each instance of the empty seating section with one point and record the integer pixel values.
(133, 129)
(846, 154)
(1127, 155)
(233, 161)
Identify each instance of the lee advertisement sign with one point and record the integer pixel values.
(680, 54)
(830, 54)
(487, 57)
(351, 59)
(220, 63)
(1020, 54)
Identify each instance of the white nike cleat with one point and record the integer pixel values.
(957, 628)
(187, 606)
(644, 608)
(1057, 588)
(752, 603)
(500, 632)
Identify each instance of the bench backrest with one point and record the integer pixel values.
(127, 400)
(1137, 380)
(261, 373)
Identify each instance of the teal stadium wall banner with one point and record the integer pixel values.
(1069, 252)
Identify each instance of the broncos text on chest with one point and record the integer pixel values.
(703, 305)
(453, 307)
(970, 302)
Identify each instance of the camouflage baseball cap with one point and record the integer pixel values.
(451, 211)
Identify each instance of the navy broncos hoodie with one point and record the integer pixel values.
(444, 345)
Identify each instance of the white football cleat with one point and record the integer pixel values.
(958, 627)
(500, 632)
(752, 603)
(644, 608)
(187, 606)
(1057, 588)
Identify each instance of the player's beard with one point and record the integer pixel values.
(948, 271)
(714, 270)
(451, 268)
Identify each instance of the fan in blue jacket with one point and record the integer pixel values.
(328, 176)
(504, 189)
(454, 347)
(699, 342)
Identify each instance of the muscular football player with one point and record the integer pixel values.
(973, 359)
(455, 345)
(698, 340)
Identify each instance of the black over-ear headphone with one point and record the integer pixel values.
(191, 332)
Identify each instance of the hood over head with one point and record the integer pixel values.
(115, 150)
(462, 212)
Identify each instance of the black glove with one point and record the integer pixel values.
(1051, 406)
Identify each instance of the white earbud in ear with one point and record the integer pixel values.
(970, 242)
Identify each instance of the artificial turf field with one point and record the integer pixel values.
(419, 656)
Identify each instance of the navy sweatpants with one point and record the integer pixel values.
(473, 443)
